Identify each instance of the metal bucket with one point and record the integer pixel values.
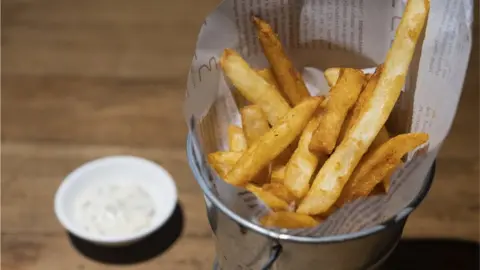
(241, 244)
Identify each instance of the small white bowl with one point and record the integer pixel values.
(155, 180)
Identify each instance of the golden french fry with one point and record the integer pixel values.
(254, 123)
(226, 157)
(281, 160)
(376, 165)
(288, 78)
(352, 116)
(272, 143)
(267, 74)
(278, 174)
(386, 181)
(331, 75)
(253, 87)
(336, 171)
(343, 96)
(236, 139)
(280, 191)
(303, 163)
(284, 157)
(288, 220)
(221, 168)
(363, 98)
(272, 201)
(381, 138)
(223, 162)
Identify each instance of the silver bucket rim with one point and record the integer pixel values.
(399, 217)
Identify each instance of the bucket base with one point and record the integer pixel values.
(377, 266)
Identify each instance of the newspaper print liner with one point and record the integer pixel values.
(325, 33)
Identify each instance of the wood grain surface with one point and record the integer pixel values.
(85, 79)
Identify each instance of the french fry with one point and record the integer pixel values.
(288, 220)
(221, 168)
(363, 98)
(272, 143)
(381, 138)
(331, 75)
(254, 123)
(303, 163)
(343, 96)
(226, 157)
(223, 162)
(267, 74)
(288, 78)
(281, 160)
(236, 139)
(280, 191)
(386, 181)
(279, 164)
(272, 201)
(378, 164)
(278, 174)
(253, 87)
(336, 171)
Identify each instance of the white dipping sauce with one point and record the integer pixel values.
(113, 209)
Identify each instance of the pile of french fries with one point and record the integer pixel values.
(306, 156)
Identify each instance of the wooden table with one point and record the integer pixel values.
(85, 79)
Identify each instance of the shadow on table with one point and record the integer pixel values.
(423, 254)
(152, 246)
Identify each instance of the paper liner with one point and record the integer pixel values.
(319, 34)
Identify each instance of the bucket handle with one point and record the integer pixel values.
(274, 254)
